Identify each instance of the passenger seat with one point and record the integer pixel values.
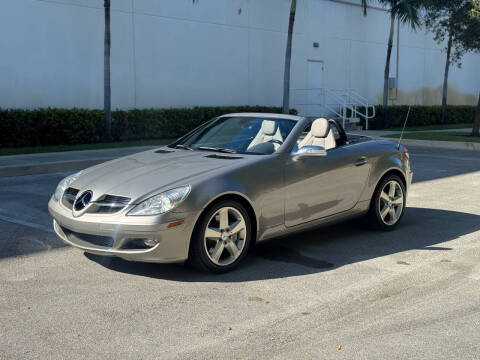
(320, 135)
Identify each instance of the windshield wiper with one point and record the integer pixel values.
(186, 147)
(218, 149)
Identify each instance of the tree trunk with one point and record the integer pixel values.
(288, 58)
(476, 124)
(107, 94)
(386, 74)
(445, 80)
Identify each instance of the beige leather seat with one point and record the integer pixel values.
(320, 135)
(269, 132)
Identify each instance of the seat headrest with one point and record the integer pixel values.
(320, 128)
(269, 127)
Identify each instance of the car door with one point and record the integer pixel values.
(317, 187)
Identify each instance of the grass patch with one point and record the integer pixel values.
(434, 127)
(97, 146)
(437, 136)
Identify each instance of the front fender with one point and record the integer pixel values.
(384, 164)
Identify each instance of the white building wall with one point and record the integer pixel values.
(181, 53)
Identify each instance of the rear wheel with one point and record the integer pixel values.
(221, 238)
(388, 203)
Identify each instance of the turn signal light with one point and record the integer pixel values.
(175, 223)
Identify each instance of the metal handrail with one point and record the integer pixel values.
(339, 101)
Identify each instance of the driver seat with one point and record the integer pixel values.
(269, 132)
(320, 135)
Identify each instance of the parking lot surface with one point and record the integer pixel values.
(339, 292)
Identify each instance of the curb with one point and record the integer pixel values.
(31, 169)
(451, 145)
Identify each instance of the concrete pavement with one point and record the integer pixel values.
(339, 292)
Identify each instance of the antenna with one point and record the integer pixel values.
(403, 130)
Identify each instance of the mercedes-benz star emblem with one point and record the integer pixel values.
(83, 200)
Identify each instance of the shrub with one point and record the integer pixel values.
(42, 127)
(421, 115)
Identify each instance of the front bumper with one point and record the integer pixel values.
(116, 230)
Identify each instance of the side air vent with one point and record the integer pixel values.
(224, 157)
(161, 151)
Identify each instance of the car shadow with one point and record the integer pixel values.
(320, 250)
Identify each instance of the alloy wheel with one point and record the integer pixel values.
(391, 202)
(225, 236)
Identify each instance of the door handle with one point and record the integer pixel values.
(361, 161)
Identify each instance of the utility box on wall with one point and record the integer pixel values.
(392, 88)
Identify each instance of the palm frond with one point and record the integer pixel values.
(407, 12)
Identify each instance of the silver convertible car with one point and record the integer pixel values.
(234, 181)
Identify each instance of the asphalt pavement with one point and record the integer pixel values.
(341, 292)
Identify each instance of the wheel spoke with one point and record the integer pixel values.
(217, 251)
(398, 200)
(223, 214)
(391, 190)
(384, 196)
(384, 212)
(212, 233)
(232, 248)
(237, 226)
(393, 215)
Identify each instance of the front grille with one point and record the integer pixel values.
(69, 197)
(97, 240)
(108, 199)
(110, 204)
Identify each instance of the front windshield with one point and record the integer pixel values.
(243, 135)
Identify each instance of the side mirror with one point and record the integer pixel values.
(309, 151)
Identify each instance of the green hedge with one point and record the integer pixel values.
(421, 115)
(42, 127)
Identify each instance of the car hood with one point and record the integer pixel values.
(148, 172)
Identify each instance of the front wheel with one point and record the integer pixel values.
(388, 203)
(221, 238)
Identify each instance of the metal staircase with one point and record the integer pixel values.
(345, 105)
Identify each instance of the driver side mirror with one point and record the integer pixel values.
(309, 151)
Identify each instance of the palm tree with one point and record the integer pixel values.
(406, 12)
(288, 58)
(107, 93)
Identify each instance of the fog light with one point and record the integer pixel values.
(150, 242)
(139, 244)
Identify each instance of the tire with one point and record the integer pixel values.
(386, 211)
(229, 241)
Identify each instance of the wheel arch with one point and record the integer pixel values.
(233, 196)
(391, 171)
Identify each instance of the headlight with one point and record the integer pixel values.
(64, 184)
(161, 203)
